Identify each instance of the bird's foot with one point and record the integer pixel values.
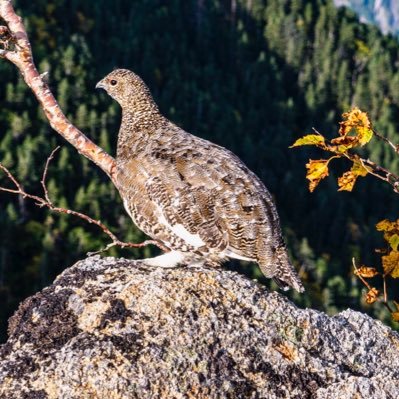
(169, 260)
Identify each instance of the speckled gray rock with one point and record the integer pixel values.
(111, 329)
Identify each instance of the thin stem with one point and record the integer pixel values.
(44, 177)
(385, 288)
(387, 141)
(368, 286)
(360, 277)
(317, 132)
(376, 170)
(46, 202)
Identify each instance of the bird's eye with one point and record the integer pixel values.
(113, 82)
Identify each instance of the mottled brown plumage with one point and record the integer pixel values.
(194, 196)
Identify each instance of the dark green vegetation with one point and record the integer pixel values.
(250, 75)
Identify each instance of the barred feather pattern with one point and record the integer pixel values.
(192, 195)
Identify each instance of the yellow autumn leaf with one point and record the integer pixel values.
(317, 170)
(358, 169)
(394, 241)
(343, 143)
(395, 316)
(310, 139)
(390, 263)
(366, 272)
(348, 179)
(356, 122)
(365, 134)
(372, 295)
(386, 225)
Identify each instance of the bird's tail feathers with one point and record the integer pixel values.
(286, 276)
(280, 269)
(281, 284)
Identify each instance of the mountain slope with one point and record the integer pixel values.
(247, 74)
(384, 13)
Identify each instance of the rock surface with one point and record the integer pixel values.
(112, 328)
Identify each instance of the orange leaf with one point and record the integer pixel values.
(386, 225)
(343, 143)
(359, 169)
(317, 170)
(357, 122)
(372, 295)
(390, 263)
(391, 232)
(366, 272)
(348, 179)
(395, 316)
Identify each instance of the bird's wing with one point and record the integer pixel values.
(206, 191)
(184, 195)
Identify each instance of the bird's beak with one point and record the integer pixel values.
(100, 85)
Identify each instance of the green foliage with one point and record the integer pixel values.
(251, 78)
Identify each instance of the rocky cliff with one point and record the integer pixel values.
(112, 328)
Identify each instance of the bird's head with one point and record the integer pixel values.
(126, 88)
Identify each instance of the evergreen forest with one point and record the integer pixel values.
(251, 75)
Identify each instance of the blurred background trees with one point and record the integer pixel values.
(251, 75)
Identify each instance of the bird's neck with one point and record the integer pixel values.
(140, 119)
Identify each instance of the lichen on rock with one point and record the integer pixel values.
(113, 328)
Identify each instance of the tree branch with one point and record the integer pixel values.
(372, 168)
(14, 36)
(377, 171)
(46, 202)
(16, 48)
(387, 141)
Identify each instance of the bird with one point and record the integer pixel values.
(195, 197)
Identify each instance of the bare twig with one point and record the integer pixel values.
(44, 177)
(385, 288)
(46, 202)
(382, 174)
(15, 47)
(375, 170)
(387, 141)
(317, 132)
(368, 286)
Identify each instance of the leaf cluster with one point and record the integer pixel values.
(355, 131)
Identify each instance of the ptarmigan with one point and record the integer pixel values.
(195, 197)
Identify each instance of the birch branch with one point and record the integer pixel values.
(16, 48)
